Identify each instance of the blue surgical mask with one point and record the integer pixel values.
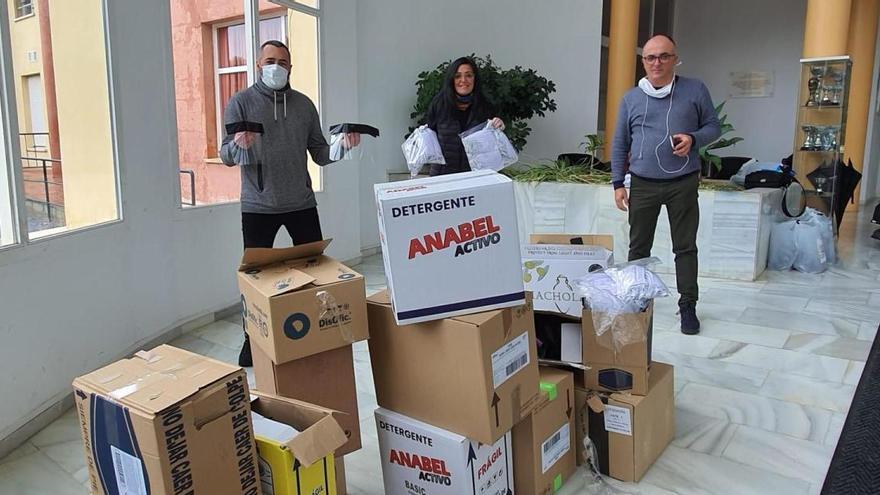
(274, 76)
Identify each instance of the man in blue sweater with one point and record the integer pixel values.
(661, 125)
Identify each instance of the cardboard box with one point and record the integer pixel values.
(630, 431)
(450, 245)
(418, 458)
(298, 302)
(326, 379)
(475, 375)
(341, 486)
(543, 444)
(581, 423)
(550, 270)
(167, 421)
(301, 464)
(617, 370)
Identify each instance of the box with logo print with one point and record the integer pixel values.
(552, 262)
(418, 458)
(167, 421)
(475, 375)
(450, 245)
(298, 302)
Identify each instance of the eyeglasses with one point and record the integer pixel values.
(663, 57)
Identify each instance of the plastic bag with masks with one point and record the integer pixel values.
(823, 223)
(617, 291)
(783, 250)
(247, 150)
(421, 148)
(488, 148)
(810, 239)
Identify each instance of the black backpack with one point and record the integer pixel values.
(778, 179)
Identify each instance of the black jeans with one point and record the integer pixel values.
(680, 197)
(259, 229)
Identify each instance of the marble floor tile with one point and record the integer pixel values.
(36, 474)
(745, 333)
(222, 333)
(690, 369)
(769, 414)
(584, 482)
(809, 392)
(843, 310)
(693, 345)
(686, 472)
(791, 457)
(701, 433)
(206, 348)
(827, 345)
(64, 429)
(755, 299)
(70, 456)
(835, 427)
(799, 322)
(868, 330)
(722, 312)
(796, 363)
(23, 450)
(854, 373)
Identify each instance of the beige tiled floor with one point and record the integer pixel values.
(762, 393)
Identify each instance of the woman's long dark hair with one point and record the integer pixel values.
(447, 98)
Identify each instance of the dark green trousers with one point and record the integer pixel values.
(680, 198)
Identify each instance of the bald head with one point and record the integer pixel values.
(658, 58)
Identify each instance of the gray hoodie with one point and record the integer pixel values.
(644, 125)
(281, 182)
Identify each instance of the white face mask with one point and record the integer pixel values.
(274, 76)
(649, 89)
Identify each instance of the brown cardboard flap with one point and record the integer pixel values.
(277, 279)
(603, 240)
(320, 433)
(325, 270)
(382, 297)
(154, 380)
(257, 257)
(480, 319)
(595, 403)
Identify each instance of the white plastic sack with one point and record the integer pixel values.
(823, 223)
(421, 148)
(488, 148)
(812, 236)
(783, 250)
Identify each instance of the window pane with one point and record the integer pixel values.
(663, 14)
(64, 119)
(303, 29)
(606, 17)
(644, 21)
(308, 3)
(7, 215)
(272, 29)
(231, 47)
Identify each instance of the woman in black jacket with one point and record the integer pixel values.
(459, 106)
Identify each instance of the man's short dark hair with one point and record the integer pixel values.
(279, 44)
(665, 36)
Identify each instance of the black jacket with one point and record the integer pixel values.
(447, 126)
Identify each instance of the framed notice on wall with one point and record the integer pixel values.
(751, 84)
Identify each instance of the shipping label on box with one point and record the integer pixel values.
(298, 302)
(421, 459)
(167, 421)
(550, 272)
(450, 245)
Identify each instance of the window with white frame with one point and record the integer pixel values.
(23, 8)
(63, 161)
(209, 45)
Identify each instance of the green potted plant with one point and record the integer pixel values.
(518, 94)
(722, 142)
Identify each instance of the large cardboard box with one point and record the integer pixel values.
(341, 486)
(326, 379)
(581, 423)
(300, 461)
(298, 302)
(630, 431)
(167, 421)
(450, 245)
(475, 375)
(418, 458)
(623, 369)
(543, 444)
(550, 269)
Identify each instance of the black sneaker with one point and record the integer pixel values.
(244, 357)
(690, 324)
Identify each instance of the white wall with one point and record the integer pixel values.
(74, 303)
(397, 39)
(716, 37)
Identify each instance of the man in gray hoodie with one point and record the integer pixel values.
(661, 125)
(269, 129)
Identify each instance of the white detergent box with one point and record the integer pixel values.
(550, 270)
(421, 459)
(450, 245)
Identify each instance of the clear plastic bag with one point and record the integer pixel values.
(247, 143)
(618, 292)
(488, 148)
(421, 148)
(811, 255)
(823, 223)
(782, 250)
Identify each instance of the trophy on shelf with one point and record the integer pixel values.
(837, 88)
(810, 141)
(827, 89)
(814, 85)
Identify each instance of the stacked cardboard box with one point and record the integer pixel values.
(452, 342)
(624, 402)
(302, 311)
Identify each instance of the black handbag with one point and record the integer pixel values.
(779, 179)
